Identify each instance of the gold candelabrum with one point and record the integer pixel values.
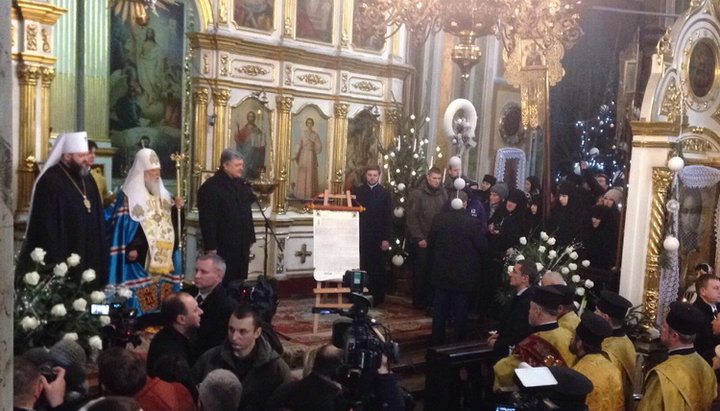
(263, 187)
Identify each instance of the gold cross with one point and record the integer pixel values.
(303, 253)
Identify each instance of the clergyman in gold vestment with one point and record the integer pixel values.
(684, 381)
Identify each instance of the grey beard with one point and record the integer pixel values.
(84, 171)
(153, 186)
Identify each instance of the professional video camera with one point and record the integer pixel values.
(121, 329)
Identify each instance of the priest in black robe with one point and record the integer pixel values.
(375, 231)
(66, 213)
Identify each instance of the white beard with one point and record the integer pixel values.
(153, 186)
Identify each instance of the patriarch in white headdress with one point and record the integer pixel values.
(144, 177)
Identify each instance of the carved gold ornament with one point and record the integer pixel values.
(252, 70)
(31, 34)
(45, 40)
(365, 86)
(312, 78)
(696, 144)
(223, 65)
(671, 103)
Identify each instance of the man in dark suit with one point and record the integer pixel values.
(212, 297)
(708, 297)
(224, 204)
(514, 325)
(375, 231)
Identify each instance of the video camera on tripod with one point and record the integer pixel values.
(122, 327)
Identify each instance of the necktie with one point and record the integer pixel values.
(200, 299)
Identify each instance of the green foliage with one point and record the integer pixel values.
(52, 303)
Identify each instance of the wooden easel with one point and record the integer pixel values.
(332, 288)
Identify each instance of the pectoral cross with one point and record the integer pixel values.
(303, 253)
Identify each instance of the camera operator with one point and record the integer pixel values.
(29, 385)
(322, 390)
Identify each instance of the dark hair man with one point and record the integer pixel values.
(248, 354)
(375, 230)
(594, 364)
(122, 373)
(707, 287)
(424, 203)
(29, 385)
(514, 326)
(213, 298)
(684, 381)
(224, 206)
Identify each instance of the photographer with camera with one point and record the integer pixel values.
(29, 385)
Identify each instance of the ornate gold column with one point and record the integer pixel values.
(28, 75)
(661, 179)
(284, 105)
(200, 101)
(339, 146)
(392, 115)
(48, 75)
(220, 99)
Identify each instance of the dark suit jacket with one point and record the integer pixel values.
(170, 358)
(705, 341)
(514, 326)
(217, 308)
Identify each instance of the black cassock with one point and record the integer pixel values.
(226, 221)
(375, 226)
(60, 223)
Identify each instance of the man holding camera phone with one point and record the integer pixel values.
(29, 385)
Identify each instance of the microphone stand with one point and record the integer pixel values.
(268, 228)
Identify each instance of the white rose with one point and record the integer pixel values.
(551, 241)
(97, 297)
(124, 292)
(523, 240)
(38, 255)
(104, 320)
(564, 270)
(572, 266)
(510, 269)
(520, 257)
(60, 269)
(575, 278)
(29, 323)
(589, 284)
(585, 263)
(574, 255)
(73, 260)
(95, 342)
(580, 291)
(539, 266)
(70, 336)
(80, 304)
(88, 275)
(32, 278)
(544, 236)
(542, 249)
(552, 254)
(58, 310)
(569, 249)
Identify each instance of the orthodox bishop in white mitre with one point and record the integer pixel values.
(143, 254)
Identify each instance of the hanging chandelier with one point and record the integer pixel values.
(547, 22)
(136, 10)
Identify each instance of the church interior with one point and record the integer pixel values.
(554, 89)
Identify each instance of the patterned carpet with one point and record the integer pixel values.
(294, 321)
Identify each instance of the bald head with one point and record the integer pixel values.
(552, 278)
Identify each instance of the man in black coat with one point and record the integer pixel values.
(455, 243)
(375, 230)
(226, 222)
(514, 325)
(212, 297)
(170, 356)
(708, 297)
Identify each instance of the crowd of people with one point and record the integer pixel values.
(216, 353)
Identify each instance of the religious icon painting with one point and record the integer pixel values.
(249, 135)
(254, 14)
(703, 68)
(308, 153)
(532, 55)
(146, 88)
(314, 20)
(369, 31)
(696, 229)
(362, 147)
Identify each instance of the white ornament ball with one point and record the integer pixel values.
(594, 152)
(399, 212)
(398, 260)
(455, 161)
(671, 243)
(673, 206)
(401, 186)
(456, 204)
(676, 164)
(459, 183)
